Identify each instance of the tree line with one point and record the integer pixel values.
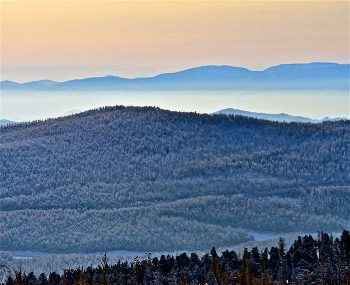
(324, 260)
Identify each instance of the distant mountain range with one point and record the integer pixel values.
(40, 84)
(285, 76)
(274, 117)
(6, 122)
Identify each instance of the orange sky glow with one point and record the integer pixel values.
(62, 40)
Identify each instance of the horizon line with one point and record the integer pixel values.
(195, 67)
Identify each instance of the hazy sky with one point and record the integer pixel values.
(62, 40)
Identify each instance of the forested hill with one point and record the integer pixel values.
(146, 179)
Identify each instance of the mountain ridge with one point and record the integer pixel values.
(281, 117)
(6, 122)
(285, 76)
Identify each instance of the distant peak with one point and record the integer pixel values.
(72, 112)
(303, 65)
(281, 117)
(8, 81)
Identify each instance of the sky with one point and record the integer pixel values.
(62, 40)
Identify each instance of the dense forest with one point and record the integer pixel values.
(146, 179)
(325, 260)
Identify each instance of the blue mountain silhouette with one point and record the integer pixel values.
(274, 117)
(316, 75)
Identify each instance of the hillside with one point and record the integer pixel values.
(146, 179)
(309, 76)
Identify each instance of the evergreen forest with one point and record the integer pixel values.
(146, 179)
(324, 260)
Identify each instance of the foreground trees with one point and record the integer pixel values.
(324, 260)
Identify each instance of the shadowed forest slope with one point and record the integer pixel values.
(146, 179)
